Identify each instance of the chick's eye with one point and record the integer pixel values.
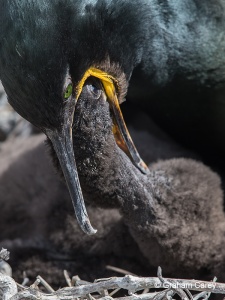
(94, 90)
(68, 91)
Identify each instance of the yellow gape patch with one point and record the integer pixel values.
(106, 79)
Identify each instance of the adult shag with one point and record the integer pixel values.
(171, 54)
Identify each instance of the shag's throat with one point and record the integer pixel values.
(121, 133)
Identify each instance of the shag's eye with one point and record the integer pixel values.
(68, 91)
(94, 90)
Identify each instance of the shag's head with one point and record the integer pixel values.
(44, 81)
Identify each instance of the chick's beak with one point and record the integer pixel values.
(63, 145)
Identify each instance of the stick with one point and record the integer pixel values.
(129, 282)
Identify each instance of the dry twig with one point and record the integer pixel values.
(133, 284)
(130, 283)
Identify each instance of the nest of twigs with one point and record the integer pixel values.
(134, 287)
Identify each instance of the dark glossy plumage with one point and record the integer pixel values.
(170, 53)
(31, 54)
(163, 43)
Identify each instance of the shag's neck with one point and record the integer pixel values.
(165, 39)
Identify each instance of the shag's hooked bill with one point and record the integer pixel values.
(63, 141)
(170, 53)
(42, 84)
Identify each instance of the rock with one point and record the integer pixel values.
(5, 268)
